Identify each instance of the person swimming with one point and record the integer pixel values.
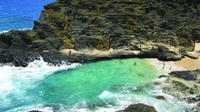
(121, 61)
(135, 63)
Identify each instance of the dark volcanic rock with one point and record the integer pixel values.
(23, 58)
(15, 40)
(160, 97)
(22, 47)
(139, 108)
(43, 30)
(184, 86)
(55, 42)
(187, 75)
(114, 24)
(35, 111)
(41, 45)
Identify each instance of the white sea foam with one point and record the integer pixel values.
(13, 79)
(4, 31)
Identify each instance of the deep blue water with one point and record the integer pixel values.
(20, 14)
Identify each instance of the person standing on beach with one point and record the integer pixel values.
(70, 52)
(163, 65)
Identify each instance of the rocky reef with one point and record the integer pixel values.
(185, 86)
(163, 29)
(132, 108)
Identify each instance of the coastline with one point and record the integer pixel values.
(137, 34)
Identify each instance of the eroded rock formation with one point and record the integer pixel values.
(115, 24)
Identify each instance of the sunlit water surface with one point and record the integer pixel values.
(100, 86)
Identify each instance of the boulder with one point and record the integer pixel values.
(139, 108)
(160, 97)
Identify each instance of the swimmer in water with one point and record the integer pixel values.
(135, 63)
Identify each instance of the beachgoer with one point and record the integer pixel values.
(70, 52)
(163, 65)
(121, 61)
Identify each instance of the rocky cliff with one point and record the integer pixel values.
(105, 24)
(162, 29)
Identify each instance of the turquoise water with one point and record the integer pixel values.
(104, 86)
(89, 81)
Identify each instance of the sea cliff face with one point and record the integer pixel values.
(162, 29)
(116, 24)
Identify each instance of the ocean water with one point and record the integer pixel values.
(105, 86)
(20, 14)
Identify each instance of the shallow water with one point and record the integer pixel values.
(100, 86)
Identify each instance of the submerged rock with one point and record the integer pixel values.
(35, 111)
(139, 108)
(160, 97)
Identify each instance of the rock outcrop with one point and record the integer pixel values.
(115, 24)
(139, 108)
(185, 86)
(162, 29)
(23, 47)
(187, 75)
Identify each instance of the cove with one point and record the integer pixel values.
(105, 86)
(92, 82)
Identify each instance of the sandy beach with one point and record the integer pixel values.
(189, 63)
